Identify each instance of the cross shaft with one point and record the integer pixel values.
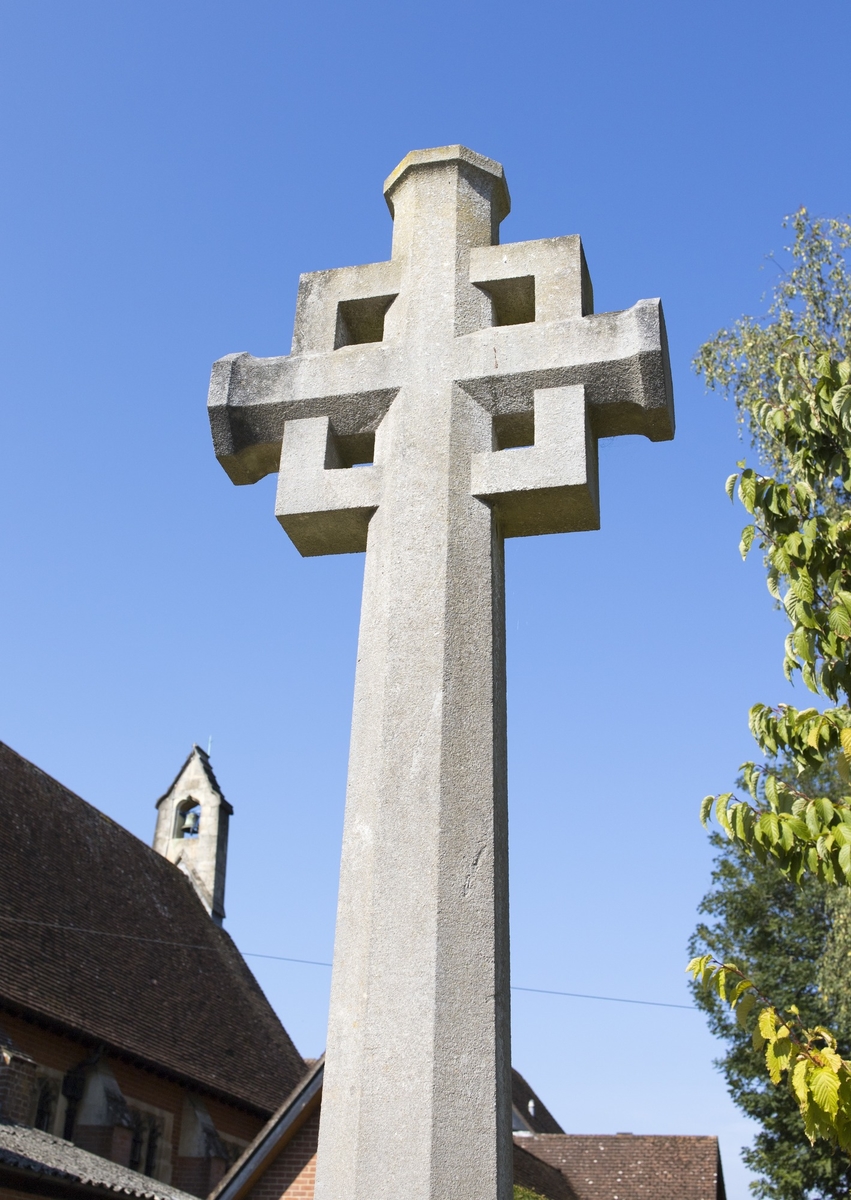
(429, 368)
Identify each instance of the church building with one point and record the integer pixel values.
(138, 1054)
(130, 1024)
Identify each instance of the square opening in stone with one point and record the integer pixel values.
(513, 430)
(513, 299)
(361, 321)
(355, 449)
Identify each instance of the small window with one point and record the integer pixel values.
(144, 1149)
(45, 1108)
(150, 1151)
(152, 1148)
(136, 1144)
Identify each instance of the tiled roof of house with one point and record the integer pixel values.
(539, 1177)
(28, 1154)
(632, 1167)
(103, 937)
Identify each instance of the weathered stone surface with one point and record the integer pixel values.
(474, 381)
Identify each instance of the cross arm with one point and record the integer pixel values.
(552, 486)
(621, 358)
(338, 369)
(250, 399)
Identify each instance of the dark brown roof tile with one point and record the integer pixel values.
(633, 1167)
(102, 936)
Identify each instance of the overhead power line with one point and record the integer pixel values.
(614, 999)
(308, 962)
(312, 962)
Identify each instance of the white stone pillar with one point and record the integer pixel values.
(416, 1100)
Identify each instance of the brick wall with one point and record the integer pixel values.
(61, 1053)
(293, 1172)
(17, 1084)
(109, 1141)
(47, 1048)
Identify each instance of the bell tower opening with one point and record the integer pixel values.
(188, 819)
(192, 830)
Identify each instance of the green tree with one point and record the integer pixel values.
(781, 934)
(810, 304)
(834, 965)
(791, 379)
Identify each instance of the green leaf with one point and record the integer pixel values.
(777, 1058)
(745, 544)
(798, 827)
(721, 813)
(845, 861)
(824, 1086)
(769, 827)
(770, 785)
(730, 484)
(698, 965)
(747, 489)
(802, 586)
(799, 1080)
(767, 1023)
(823, 366)
(825, 809)
(743, 1008)
(706, 808)
(839, 620)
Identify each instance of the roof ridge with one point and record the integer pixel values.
(204, 759)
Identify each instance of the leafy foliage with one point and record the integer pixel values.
(791, 379)
(819, 1076)
(804, 524)
(809, 306)
(807, 546)
(524, 1193)
(779, 933)
(834, 966)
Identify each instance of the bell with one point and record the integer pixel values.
(190, 823)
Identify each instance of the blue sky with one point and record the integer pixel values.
(169, 170)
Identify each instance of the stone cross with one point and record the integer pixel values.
(473, 382)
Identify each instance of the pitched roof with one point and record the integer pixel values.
(539, 1177)
(103, 937)
(625, 1166)
(530, 1108)
(275, 1134)
(28, 1153)
(204, 760)
(529, 1171)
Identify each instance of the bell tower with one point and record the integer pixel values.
(192, 830)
